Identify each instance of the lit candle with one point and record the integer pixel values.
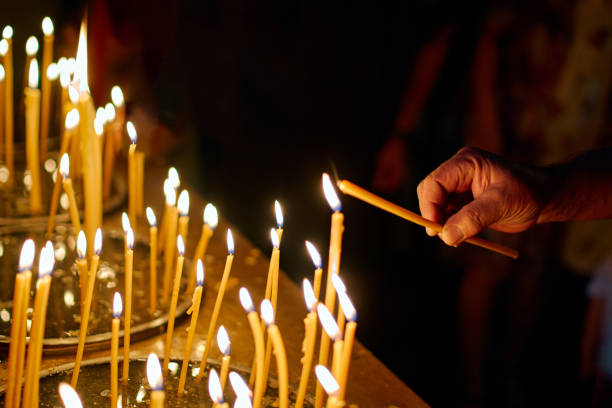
(91, 281)
(32, 112)
(310, 332)
(194, 310)
(75, 140)
(119, 102)
(67, 183)
(339, 287)
(170, 243)
(180, 245)
(333, 267)
(223, 342)
(215, 390)
(172, 182)
(131, 131)
(9, 123)
(183, 211)
(21, 297)
(82, 266)
(114, 370)
(240, 387)
(156, 381)
(140, 167)
(257, 332)
(267, 315)
(241, 402)
(127, 323)
(333, 332)
(316, 260)
(31, 49)
(217, 308)
(278, 211)
(69, 396)
(329, 383)
(47, 28)
(349, 336)
(2, 77)
(152, 259)
(211, 219)
(109, 149)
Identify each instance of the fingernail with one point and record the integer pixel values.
(452, 235)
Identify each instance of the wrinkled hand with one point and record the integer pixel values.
(391, 170)
(504, 196)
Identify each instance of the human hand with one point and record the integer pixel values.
(505, 196)
(391, 170)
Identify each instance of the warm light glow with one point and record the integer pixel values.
(46, 261)
(327, 380)
(131, 131)
(69, 396)
(125, 222)
(183, 203)
(117, 305)
(52, 71)
(80, 74)
(100, 113)
(214, 387)
(245, 300)
(230, 242)
(309, 296)
(117, 96)
(267, 312)
(211, 217)
(338, 284)
(26, 258)
(65, 166)
(180, 245)
(279, 214)
(170, 193)
(173, 176)
(223, 341)
(7, 32)
(31, 46)
(199, 273)
(347, 306)
(33, 74)
(109, 112)
(81, 245)
(328, 322)
(274, 238)
(2, 72)
(99, 124)
(4, 46)
(330, 193)
(47, 26)
(72, 119)
(314, 254)
(98, 242)
(240, 387)
(154, 373)
(64, 75)
(71, 65)
(243, 402)
(151, 217)
(129, 238)
(73, 94)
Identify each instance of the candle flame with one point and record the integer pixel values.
(245, 300)
(327, 380)
(330, 193)
(52, 71)
(7, 32)
(309, 295)
(71, 65)
(47, 26)
(2, 72)
(214, 387)
(80, 74)
(100, 113)
(328, 322)
(170, 194)
(199, 273)
(314, 254)
(26, 258)
(129, 238)
(64, 75)
(131, 131)
(347, 306)
(151, 217)
(64, 167)
(274, 238)
(180, 245)
(117, 96)
(240, 387)
(267, 312)
(73, 94)
(31, 46)
(223, 341)
(4, 47)
(125, 222)
(154, 373)
(230, 242)
(173, 176)
(210, 216)
(243, 402)
(98, 242)
(99, 124)
(109, 112)
(338, 284)
(81, 245)
(279, 214)
(183, 203)
(72, 118)
(69, 396)
(33, 74)
(46, 261)
(117, 305)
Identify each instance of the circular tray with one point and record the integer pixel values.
(63, 311)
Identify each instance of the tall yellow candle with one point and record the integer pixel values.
(349, 340)
(75, 141)
(223, 342)
(308, 345)
(69, 396)
(140, 170)
(258, 339)
(114, 369)
(47, 28)
(211, 219)
(81, 263)
(32, 113)
(194, 311)
(131, 131)
(127, 323)
(329, 383)
(170, 244)
(164, 221)
(267, 315)
(180, 245)
(91, 281)
(333, 332)
(215, 390)
(21, 295)
(67, 183)
(109, 149)
(31, 49)
(316, 260)
(9, 122)
(152, 260)
(37, 331)
(2, 91)
(156, 381)
(217, 308)
(182, 206)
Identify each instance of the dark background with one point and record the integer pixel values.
(253, 100)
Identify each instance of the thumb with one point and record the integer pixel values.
(473, 218)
